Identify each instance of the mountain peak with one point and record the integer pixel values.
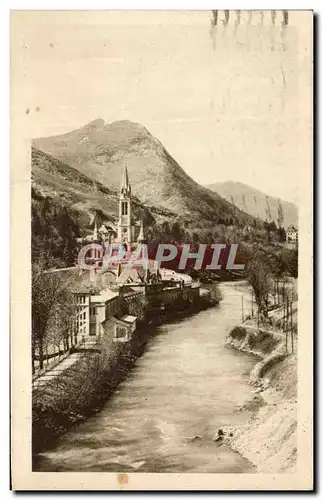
(97, 123)
(100, 150)
(127, 125)
(117, 124)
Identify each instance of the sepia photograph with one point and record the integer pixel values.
(162, 311)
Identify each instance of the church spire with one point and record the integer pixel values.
(95, 231)
(141, 237)
(125, 229)
(125, 187)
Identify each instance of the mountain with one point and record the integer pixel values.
(99, 151)
(255, 202)
(64, 186)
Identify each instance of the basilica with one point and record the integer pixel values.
(126, 231)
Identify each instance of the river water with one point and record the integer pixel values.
(163, 416)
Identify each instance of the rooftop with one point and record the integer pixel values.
(129, 319)
(104, 296)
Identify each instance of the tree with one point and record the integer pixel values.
(53, 307)
(195, 237)
(259, 275)
(149, 234)
(138, 307)
(53, 230)
(177, 233)
(272, 227)
(290, 259)
(166, 231)
(282, 234)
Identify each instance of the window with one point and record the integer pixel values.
(120, 332)
(124, 208)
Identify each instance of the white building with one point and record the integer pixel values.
(292, 234)
(97, 316)
(170, 275)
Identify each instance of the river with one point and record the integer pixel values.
(163, 416)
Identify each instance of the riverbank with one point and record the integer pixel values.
(269, 439)
(162, 416)
(81, 390)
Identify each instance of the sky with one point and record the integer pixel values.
(227, 103)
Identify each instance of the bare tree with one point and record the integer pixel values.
(53, 308)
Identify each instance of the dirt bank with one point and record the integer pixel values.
(269, 439)
(259, 342)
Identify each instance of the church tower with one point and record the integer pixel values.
(124, 223)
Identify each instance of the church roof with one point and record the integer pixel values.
(111, 227)
(104, 296)
(103, 229)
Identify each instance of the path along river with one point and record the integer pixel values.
(163, 416)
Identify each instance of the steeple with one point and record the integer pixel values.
(125, 187)
(141, 237)
(95, 222)
(95, 230)
(125, 230)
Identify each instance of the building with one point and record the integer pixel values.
(126, 230)
(99, 315)
(122, 329)
(129, 231)
(100, 308)
(170, 275)
(125, 227)
(292, 234)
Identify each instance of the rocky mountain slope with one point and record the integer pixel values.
(99, 151)
(255, 202)
(65, 186)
